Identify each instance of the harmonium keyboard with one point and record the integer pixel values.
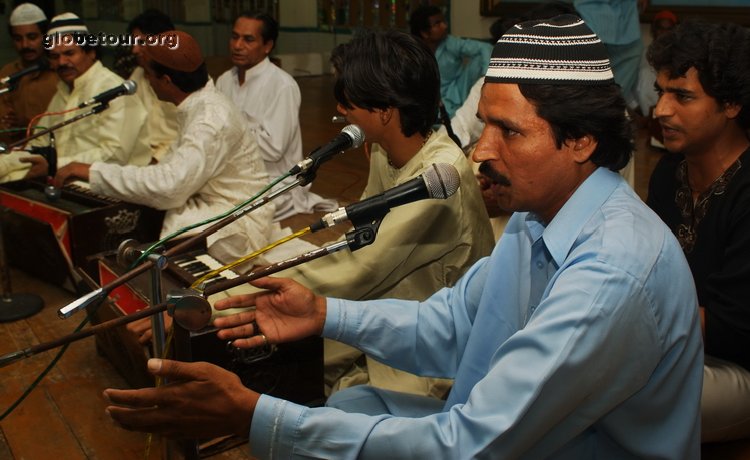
(51, 237)
(294, 371)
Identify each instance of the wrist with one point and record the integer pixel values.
(321, 310)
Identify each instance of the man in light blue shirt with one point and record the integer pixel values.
(577, 338)
(461, 61)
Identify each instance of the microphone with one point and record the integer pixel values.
(350, 137)
(440, 180)
(13, 78)
(127, 87)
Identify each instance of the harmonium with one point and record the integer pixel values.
(292, 371)
(51, 235)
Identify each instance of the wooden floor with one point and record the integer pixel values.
(64, 416)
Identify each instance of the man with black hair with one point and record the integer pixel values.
(702, 191)
(212, 165)
(578, 337)
(160, 128)
(31, 95)
(461, 61)
(270, 99)
(108, 136)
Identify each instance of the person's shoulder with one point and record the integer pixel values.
(632, 234)
(281, 77)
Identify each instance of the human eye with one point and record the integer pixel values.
(508, 131)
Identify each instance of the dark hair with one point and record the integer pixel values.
(574, 111)
(419, 19)
(188, 82)
(719, 52)
(270, 28)
(152, 22)
(378, 70)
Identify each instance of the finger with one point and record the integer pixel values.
(235, 320)
(60, 179)
(143, 420)
(236, 301)
(251, 342)
(270, 283)
(145, 338)
(145, 397)
(240, 332)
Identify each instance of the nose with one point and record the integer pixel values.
(663, 107)
(485, 149)
(26, 43)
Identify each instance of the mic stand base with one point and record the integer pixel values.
(19, 306)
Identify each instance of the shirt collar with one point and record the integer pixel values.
(253, 71)
(560, 234)
(80, 83)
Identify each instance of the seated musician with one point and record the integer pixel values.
(420, 247)
(33, 91)
(108, 136)
(270, 99)
(213, 164)
(160, 128)
(702, 191)
(578, 338)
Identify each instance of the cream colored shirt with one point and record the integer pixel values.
(420, 248)
(107, 136)
(160, 128)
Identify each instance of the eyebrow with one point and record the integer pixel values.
(674, 90)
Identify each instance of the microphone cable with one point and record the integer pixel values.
(148, 251)
(197, 283)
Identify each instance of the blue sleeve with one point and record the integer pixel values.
(515, 408)
(427, 340)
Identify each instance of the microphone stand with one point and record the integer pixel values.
(14, 306)
(190, 308)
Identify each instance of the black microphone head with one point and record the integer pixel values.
(356, 134)
(130, 86)
(441, 179)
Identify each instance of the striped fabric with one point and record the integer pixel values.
(560, 50)
(67, 23)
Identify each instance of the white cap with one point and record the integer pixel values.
(26, 13)
(66, 23)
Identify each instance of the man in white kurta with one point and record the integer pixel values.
(270, 99)
(108, 136)
(213, 165)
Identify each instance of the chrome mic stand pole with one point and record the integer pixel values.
(13, 306)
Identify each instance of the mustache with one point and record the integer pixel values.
(495, 176)
(27, 50)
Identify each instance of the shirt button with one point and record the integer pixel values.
(539, 264)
